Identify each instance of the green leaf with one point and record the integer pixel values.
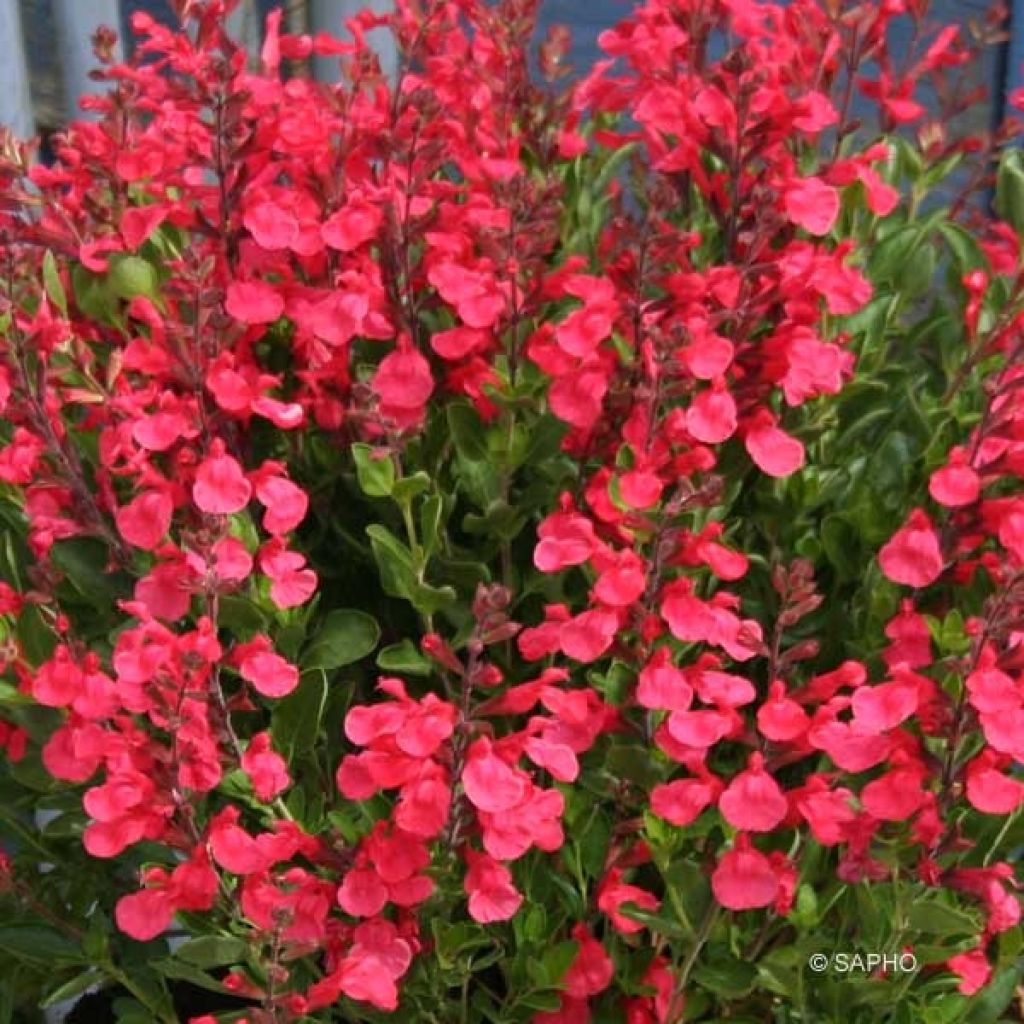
(467, 432)
(35, 636)
(1010, 189)
(394, 561)
(131, 1011)
(934, 918)
(404, 658)
(212, 951)
(36, 943)
(431, 519)
(131, 276)
(658, 923)
(93, 298)
(500, 520)
(180, 971)
(452, 941)
(376, 473)
(730, 978)
(841, 543)
(84, 561)
(239, 613)
(75, 987)
(410, 486)
(428, 600)
(546, 1002)
(346, 636)
(964, 247)
(297, 717)
(52, 283)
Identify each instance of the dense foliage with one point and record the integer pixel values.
(506, 547)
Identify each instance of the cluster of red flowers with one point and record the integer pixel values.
(393, 248)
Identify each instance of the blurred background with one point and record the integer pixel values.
(47, 66)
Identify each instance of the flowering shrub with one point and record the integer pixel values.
(500, 549)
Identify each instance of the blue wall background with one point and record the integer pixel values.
(586, 18)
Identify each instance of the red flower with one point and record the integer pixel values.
(613, 893)
(956, 484)
(220, 486)
(973, 969)
(286, 503)
(352, 226)
(812, 205)
(913, 556)
(773, 450)
(253, 302)
(269, 673)
(145, 520)
(744, 878)
(753, 800)
(682, 802)
(492, 894)
(577, 397)
(711, 417)
(291, 582)
(566, 539)
(490, 783)
(271, 226)
(592, 970)
(880, 708)
(403, 383)
(267, 770)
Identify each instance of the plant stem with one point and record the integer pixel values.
(701, 938)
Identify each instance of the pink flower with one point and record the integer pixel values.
(661, 686)
(780, 718)
(353, 225)
(682, 801)
(744, 878)
(492, 894)
(145, 914)
(233, 848)
(577, 398)
(988, 789)
(291, 582)
(403, 384)
(812, 205)
(753, 800)
(587, 636)
(271, 226)
(592, 970)
(913, 556)
(490, 783)
(269, 673)
(773, 450)
(267, 770)
(286, 503)
(894, 796)
(220, 487)
(973, 969)
(614, 892)
(711, 417)
(880, 708)
(566, 539)
(957, 483)
(253, 302)
(145, 520)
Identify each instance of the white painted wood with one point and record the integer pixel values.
(76, 21)
(15, 99)
(330, 16)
